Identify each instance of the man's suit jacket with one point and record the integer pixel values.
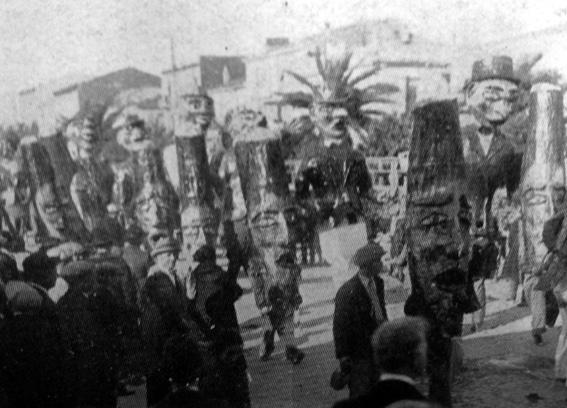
(164, 310)
(383, 394)
(353, 323)
(500, 167)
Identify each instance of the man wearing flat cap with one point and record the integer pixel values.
(360, 309)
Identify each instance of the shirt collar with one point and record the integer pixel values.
(398, 377)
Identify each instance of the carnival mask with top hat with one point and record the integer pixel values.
(492, 91)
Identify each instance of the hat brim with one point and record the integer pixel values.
(169, 249)
(470, 82)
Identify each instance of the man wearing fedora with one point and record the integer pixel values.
(492, 162)
(360, 309)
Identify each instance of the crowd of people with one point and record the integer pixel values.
(109, 271)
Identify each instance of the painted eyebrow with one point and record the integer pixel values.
(495, 88)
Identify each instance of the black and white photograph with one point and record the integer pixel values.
(283, 204)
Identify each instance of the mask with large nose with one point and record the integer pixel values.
(492, 100)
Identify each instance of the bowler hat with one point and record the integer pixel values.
(500, 67)
(163, 245)
(38, 264)
(368, 254)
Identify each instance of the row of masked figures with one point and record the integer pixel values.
(61, 192)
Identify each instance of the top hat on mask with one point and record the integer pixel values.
(499, 67)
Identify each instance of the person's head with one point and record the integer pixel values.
(134, 235)
(8, 268)
(108, 236)
(206, 253)
(165, 253)
(369, 258)
(400, 346)
(183, 360)
(40, 269)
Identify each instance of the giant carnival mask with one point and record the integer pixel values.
(493, 91)
(264, 185)
(437, 212)
(543, 168)
(156, 203)
(199, 218)
(199, 109)
(339, 107)
(132, 133)
(34, 163)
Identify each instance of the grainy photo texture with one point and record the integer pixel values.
(283, 204)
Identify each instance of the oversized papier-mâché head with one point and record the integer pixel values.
(437, 211)
(264, 184)
(199, 219)
(339, 106)
(543, 167)
(131, 132)
(492, 91)
(157, 204)
(196, 109)
(35, 167)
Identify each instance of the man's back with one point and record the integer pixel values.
(384, 393)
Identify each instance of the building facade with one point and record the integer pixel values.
(49, 104)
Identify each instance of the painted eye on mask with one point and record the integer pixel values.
(435, 220)
(535, 198)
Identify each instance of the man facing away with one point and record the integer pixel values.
(360, 309)
(400, 351)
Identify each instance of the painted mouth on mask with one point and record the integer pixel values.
(265, 221)
(137, 138)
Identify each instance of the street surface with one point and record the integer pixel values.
(502, 368)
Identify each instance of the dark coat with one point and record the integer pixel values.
(89, 317)
(225, 373)
(488, 172)
(353, 323)
(33, 357)
(193, 399)
(163, 314)
(383, 394)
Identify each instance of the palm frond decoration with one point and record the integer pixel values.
(339, 86)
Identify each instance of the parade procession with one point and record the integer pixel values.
(365, 215)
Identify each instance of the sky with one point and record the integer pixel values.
(44, 40)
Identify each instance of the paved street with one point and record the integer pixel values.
(502, 366)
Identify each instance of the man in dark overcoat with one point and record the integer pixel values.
(360, 308)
